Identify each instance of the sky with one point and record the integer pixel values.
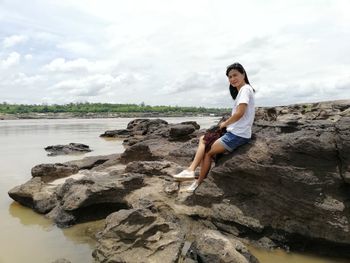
(162, 52)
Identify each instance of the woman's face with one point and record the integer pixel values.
(236, 78)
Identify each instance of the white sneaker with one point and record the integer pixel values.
(184, 175)
(192, 187)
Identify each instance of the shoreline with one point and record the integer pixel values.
(29, 116)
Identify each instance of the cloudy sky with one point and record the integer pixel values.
(164, 52)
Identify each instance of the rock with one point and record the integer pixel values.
(171, 188)
(49, 172)
(299, 173)
(188, 149)
(342, 144)
(153, 167)
(145, 126)
(138, 235)
(124, 133)
(92, 198)
(266, 243)
(138, 152)
(193, 123)
(95, 161)
(33, 194)
(67, 149)
(212, 246)
(181, 132)
(140, 130)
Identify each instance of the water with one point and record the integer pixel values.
(26, 236)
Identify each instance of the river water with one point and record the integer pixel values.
(26, 236)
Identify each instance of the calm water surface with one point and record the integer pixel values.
(29, 237)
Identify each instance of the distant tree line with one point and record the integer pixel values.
(87, 107)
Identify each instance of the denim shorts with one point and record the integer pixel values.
(231, 141)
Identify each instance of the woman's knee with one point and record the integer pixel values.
(201, 140)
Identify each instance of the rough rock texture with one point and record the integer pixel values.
(141, 129)
(138, 151)
(140, 235)
(289, 187)
(93, 197)
(34, 194)
(49, 172)
(67, 149)
(42, 194)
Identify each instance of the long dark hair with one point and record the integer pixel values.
(237, 66)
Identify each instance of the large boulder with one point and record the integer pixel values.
(181, 132)
(138, 152)
(35, 194)
(93, 197)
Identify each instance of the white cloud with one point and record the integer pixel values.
(76, 47)
(61, 65)
(13, 40)
(12, 60)
(28, 57)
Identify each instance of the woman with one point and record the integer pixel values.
(238, 126)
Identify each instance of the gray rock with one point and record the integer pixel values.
(182, 131)
(138, 152)
(195, 124)
(92, 198)
(123, 133)
(92, 162)
(212, 246)
(138, 235)
(67, 149)
(35, 195)
(49, 172)
(153, 167)
(145, 126)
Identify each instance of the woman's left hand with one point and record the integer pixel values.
(223, 125)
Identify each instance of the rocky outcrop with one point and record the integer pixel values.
(143, 129)
(49, 172)
(289, 187)
(93, 197)
(67, 149)
(140, 235)
(41, 192)
(34, 194)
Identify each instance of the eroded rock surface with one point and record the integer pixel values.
(67, 149)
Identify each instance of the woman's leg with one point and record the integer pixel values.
(199, 155)
(216, 148)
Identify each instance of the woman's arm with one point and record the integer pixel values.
(241, 108)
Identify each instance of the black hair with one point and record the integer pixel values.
(237, 66)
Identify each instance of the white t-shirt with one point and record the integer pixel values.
(243, 127)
